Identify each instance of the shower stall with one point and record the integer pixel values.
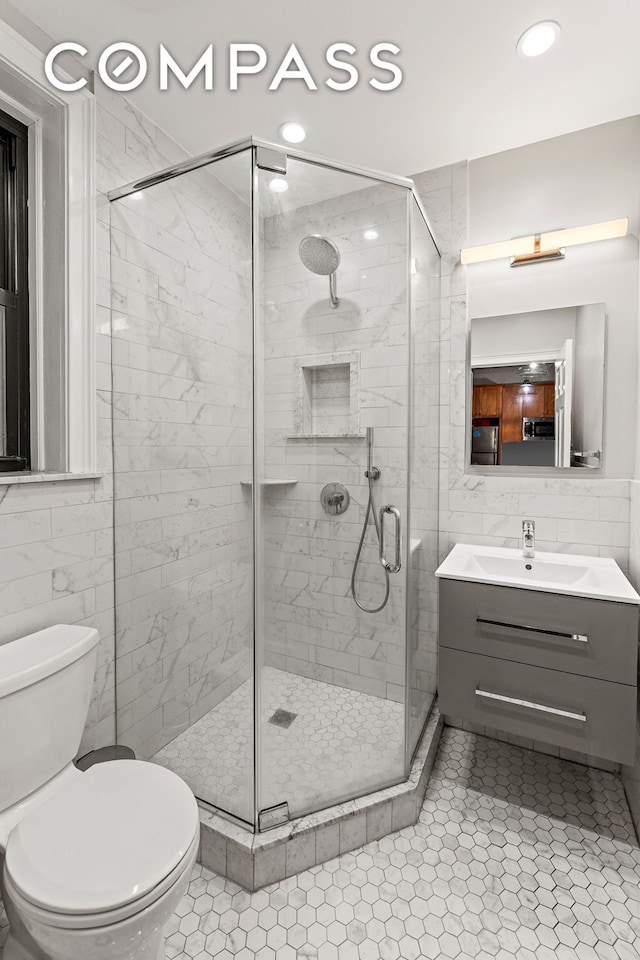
(275, 358)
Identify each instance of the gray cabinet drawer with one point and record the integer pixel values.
(490, 620)
(608, 729)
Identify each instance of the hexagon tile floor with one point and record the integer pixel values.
(516, 855)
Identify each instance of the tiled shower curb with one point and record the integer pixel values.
(255, 860)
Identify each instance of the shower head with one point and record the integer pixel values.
(321, 256)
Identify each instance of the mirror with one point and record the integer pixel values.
(537, 388)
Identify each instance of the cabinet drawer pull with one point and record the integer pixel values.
(532, 705)
(581, 637)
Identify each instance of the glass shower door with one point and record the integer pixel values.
(331, 381)
(182, 435)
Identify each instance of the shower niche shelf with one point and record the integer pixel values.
(327, 436)
(271, 482)
(328, 397)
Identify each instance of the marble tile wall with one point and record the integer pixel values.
(182, 376)
(56, 566)
(313, 626)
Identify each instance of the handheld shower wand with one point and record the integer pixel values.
(371, 473)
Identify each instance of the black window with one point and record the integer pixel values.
(14, 297)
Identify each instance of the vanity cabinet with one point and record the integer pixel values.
(551, 667)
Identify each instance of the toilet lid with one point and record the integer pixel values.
(105, 840)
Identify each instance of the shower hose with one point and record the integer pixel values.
(371, 509)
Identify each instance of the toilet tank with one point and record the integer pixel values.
(46, 680)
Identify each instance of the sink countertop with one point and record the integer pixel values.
(597, 577)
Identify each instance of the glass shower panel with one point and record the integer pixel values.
(332, 386)
(422, 610)
(183, 379)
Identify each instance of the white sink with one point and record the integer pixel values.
(597, 577)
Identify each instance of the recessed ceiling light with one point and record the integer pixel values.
(533, 366)
(293, 132)
(371, 234)
(278, 185)
(539, 38)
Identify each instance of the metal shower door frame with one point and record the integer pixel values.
(229, 150)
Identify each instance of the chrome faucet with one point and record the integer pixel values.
(528, 538)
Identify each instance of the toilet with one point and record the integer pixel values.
(95, 863)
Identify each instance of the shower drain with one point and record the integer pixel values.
(282, 718)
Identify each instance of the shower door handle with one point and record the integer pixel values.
(391, 567)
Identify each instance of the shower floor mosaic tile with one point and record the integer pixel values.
(340, 741)
(516, 855)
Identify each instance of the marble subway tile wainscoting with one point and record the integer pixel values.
(56, 566)
(572, 515)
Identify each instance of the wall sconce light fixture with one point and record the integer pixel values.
(542, 247)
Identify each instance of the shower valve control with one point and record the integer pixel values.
(335, 499)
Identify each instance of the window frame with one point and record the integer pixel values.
(14, 298)
(62, 300)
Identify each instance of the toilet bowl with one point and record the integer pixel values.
(95, 863)
(132, 933)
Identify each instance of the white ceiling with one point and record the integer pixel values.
(466, 92)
